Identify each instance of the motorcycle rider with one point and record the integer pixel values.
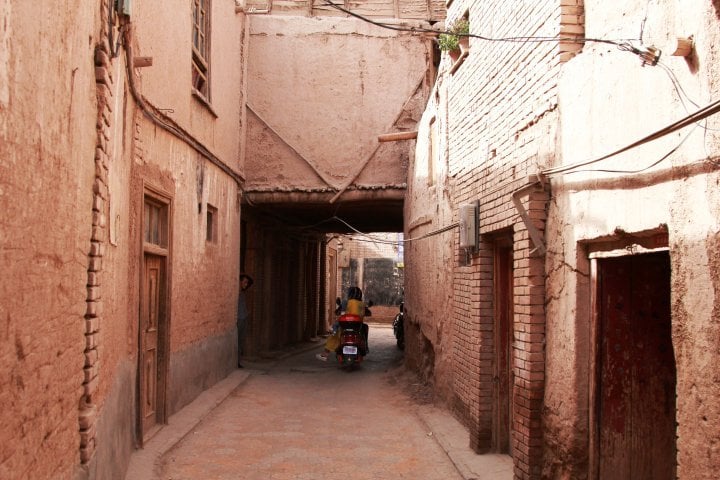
(355, 306)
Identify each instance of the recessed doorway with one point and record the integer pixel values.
(153, 319)
(503, 378)
(635, 374)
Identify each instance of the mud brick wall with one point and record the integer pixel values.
(501, 130)
(47, 146)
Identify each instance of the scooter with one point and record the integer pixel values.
(353, 347)
(399, 327)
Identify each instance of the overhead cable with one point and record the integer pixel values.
(405, 240)
(700, 114)
(518, 39)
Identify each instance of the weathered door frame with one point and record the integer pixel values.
(503, 379)
(160, 250)
(630, 245)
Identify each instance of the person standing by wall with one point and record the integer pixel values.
(246, 282)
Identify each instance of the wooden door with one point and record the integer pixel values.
(636, 398)
(151, 312)
(503, 378)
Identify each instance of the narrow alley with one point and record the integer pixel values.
(190, 194)
(294, 417)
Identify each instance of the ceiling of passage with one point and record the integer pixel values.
(378, 213)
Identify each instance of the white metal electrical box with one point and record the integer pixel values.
(468, 225)
(343, 258)
(124, 7)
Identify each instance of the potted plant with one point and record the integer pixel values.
(456, 39)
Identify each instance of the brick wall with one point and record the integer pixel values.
(500, 122)
(98, 244)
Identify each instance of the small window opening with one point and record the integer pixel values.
(155, 230)
(212, 221)
(432, 151)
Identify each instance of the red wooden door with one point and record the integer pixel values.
(636, 410)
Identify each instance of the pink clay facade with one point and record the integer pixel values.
(127, 152)
(106, 244)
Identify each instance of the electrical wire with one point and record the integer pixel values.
(518, 39)
(683, 96)
(700, 114)
(678, 87)
(392, 242)
(655, 163)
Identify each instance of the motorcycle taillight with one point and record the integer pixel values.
(350, 337)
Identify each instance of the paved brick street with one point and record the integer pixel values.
(299, 418)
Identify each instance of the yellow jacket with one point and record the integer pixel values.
(355, 307)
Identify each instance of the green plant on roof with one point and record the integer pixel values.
(451, 40)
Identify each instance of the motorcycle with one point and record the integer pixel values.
(399, 327)
(353, 344)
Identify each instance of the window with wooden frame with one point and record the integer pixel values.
(211, 233)
(155, 217)
(201, 48)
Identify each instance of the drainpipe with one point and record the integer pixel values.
(165, 122)
(535, 183)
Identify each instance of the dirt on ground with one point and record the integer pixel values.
(300, 418)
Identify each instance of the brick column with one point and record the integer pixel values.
(529, 344)
(481, 430)
(572, 27)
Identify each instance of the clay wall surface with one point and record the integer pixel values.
(159, 33)
(47, 146)
(78, 157)
(609, 100)
(203, 273)
(140, 158)
(429, 261)
(320, 90)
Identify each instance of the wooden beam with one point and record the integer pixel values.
(139, 62)
(393, 137)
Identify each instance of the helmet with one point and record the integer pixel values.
(354, 293)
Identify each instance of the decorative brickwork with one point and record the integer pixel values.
(98, 241)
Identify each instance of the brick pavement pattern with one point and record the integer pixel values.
(299, 419)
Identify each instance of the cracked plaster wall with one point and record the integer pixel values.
(607, 101)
